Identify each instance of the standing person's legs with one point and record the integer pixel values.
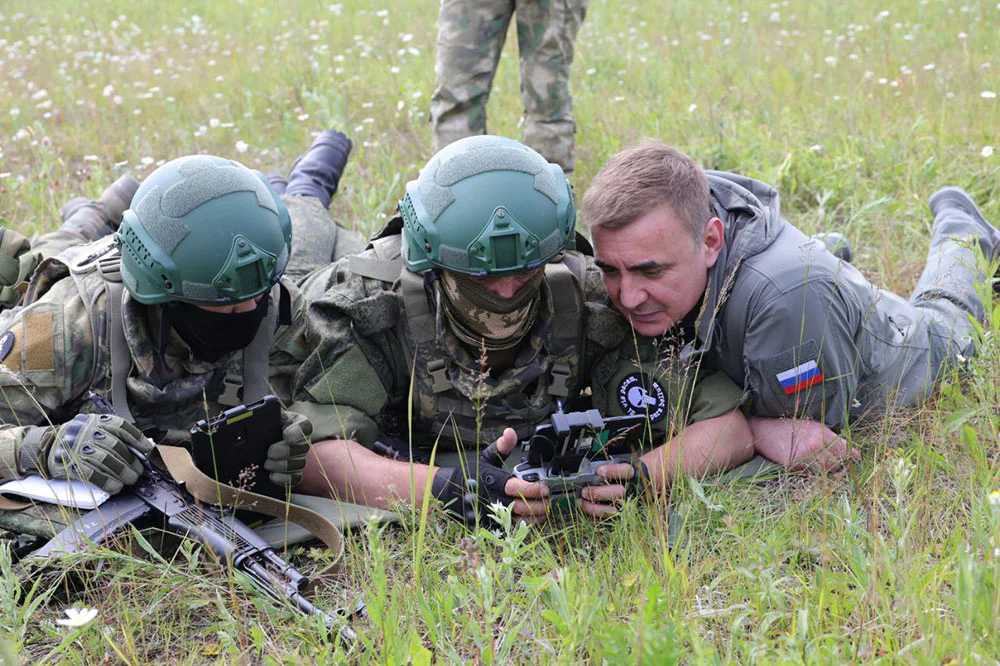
(470, 39)
(546, 33)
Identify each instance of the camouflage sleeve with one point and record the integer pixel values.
(46, 361)
(355, 357)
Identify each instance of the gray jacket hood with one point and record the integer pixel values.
(751, 214)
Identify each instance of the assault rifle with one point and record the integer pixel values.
(565, 453)
(158, 499)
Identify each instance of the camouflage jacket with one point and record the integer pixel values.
(51, 357)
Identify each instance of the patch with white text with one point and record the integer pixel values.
(800, 377)
(640, 394)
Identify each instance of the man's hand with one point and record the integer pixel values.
(622, 480)
(95, 448)
(800, 444)
(286, 459)
(463, 491)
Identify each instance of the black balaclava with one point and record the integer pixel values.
(212, 335)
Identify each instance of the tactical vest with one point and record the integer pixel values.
(177, 398)
(452, 396)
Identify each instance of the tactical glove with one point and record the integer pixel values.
(639, 484)
(463, 491)
(95, 448)
(286, 459)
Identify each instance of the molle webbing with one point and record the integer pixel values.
(553, 374)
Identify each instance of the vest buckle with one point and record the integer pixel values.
(438, 370)
(232, 388)
(559, 380)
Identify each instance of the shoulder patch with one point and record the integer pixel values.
(800, 377)
(638, 393)
(6, 344)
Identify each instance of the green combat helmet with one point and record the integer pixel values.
(486, 205)
(206, 231)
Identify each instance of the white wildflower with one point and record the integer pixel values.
(988, 94)
(242, 146)
(77, 617)
(987, 151)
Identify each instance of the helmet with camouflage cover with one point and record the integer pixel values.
(487, 205)
(203, 230)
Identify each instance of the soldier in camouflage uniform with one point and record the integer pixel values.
(470, 39)
(181, 314)
(307, 193)
(472, 312)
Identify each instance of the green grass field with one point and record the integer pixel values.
(856, 110)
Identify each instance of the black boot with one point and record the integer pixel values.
(107, 209)
(316, 173)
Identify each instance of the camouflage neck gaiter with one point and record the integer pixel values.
(480, 318)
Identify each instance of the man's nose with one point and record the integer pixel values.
(631, 294)
(505, 287)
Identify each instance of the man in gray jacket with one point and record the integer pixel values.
(813, 343)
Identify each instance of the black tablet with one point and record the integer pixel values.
(232, 447)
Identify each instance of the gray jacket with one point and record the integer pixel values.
(802, 332)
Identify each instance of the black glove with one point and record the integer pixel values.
(286, 459)
(95, 448)
(640, 483)
(464, 491)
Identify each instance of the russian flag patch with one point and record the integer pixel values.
(800, 377)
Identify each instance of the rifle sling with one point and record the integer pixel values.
(12, 505)
(203, 488)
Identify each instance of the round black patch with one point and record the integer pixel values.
(6, 344)
(638, 393)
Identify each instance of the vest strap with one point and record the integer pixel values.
(121, 355)
(255, 356)
(379, 269)
(418, 310)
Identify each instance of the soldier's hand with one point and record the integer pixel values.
(286, 459)
(95, 448)
(622, 480)
(464, 491)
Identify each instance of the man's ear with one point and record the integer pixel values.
(713, 240)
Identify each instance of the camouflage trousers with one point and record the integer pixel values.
(470, 38)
